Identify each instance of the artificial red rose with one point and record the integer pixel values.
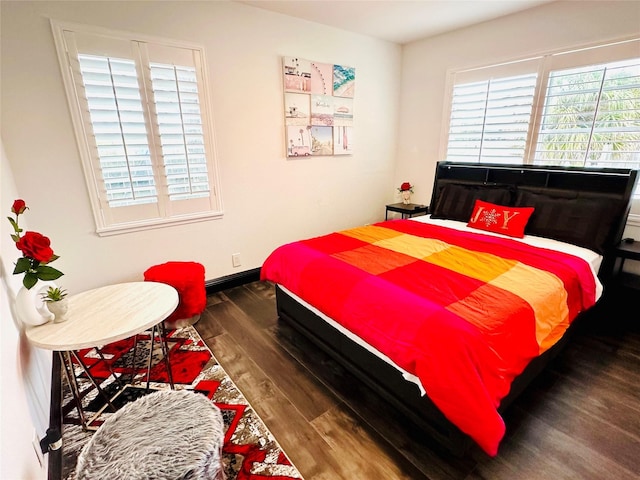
(19, 206)
(36, 246)
(405, 186)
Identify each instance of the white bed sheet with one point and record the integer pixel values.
(592, 258)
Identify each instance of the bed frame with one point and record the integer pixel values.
(388, 381)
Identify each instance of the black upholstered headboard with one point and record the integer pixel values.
(583, 206)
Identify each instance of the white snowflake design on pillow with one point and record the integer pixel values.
(490, 217)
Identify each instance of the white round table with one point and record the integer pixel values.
(107, 314)
(101, 316)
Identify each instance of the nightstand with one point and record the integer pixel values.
(407, 210)
(626, 251)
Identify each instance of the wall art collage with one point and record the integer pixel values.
(318, 107)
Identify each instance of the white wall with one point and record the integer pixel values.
(25, 372)
(268, 200)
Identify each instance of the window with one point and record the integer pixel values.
(591, 116)
(579, 108)
(490, 119)
(140, 110)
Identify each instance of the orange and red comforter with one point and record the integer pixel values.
(464, 312)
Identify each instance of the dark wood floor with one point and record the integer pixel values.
(579, 420)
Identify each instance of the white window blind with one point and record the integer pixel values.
(119, 128)
(579, 108)
(140, 110)
(490, 119)
(591, 117)
(175, 93)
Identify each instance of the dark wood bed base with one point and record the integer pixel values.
(386, 380)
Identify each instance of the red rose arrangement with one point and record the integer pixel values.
(406, 186)
(36, 251)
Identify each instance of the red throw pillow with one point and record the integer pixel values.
(500, 218)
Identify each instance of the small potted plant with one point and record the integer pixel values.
(56, 301)
(54, 294)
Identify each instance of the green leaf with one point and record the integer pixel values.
(29, 280)
(48, 273)
(22, 265)
(16, 229)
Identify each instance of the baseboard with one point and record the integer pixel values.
(233, 280)
(54, 470)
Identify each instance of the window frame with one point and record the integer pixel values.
(545, 63)
(165, 215)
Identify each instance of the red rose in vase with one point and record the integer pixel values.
(36, 251)
(36, 246)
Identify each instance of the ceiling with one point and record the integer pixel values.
(398, 21)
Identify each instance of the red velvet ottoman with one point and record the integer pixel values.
(188, 279)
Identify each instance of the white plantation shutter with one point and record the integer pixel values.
(144, 130)
(591, 117)
(490, 119)
(573, 108)
(119, 128)
(175, 93)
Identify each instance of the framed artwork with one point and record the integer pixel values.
(297, 75)
(321, 140)
(342, 140)
(318, 107)
(344, 81)
(322, 110)
(343, 111)
(321, 78)
(298, 141)
(297, 109)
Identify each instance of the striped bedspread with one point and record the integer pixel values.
(464, 312)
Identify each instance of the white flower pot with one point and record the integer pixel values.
(59, 310)
(406, 197)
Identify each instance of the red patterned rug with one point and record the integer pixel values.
(250, 451)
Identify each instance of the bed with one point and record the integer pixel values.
(450, 316)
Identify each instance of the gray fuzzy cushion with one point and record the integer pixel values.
(169, 434)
